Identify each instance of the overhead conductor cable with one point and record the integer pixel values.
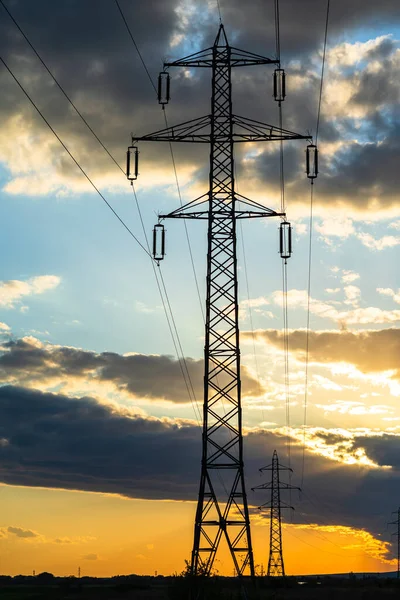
(90, 181)
(315, 172)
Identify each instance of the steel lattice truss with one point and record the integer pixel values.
(276, 567)
(222, 510)
(397, 534)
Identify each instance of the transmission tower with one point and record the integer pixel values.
(276, 567)
(397, 534)
(222, 509)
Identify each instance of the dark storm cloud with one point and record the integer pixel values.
(302, 23)
(87, 47)
(333, 492)
(60, 442)
(55, 441)
(89, 50)
(144, 376)
(369, 351)
(383, 450)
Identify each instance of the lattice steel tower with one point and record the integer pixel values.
(276, 565)
(397, 534)
(222, 510)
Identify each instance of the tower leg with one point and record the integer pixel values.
(222, 510)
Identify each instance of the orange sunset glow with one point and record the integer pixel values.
(199, 294)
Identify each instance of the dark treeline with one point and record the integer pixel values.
(46, 586)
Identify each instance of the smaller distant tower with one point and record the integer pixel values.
(79, 572)
(276, 567)
(397, 534)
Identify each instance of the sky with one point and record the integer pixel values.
(99, 443)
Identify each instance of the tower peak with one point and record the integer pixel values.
(221, 39)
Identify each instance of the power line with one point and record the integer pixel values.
(73, 158)
(290, 532)
(177, 336)
(182, 359)
(310, 246)
(171, 152)
(184, 369)
(219, 11)
(322, 70)
(249, 305)
(119, 167)
(284, 261)
(321, 535)
(248, 292)
(136, 46)
(277, 33)
(184, 222)
(307, 334)
(59, 85)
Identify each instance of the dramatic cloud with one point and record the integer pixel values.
(101, 71)
(13, 291)
(61, 442)
(33, 364)
(369, 351)
(81, 444)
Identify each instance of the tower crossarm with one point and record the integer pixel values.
(272, 467)
(238, 57)
(199, 131)
(222, 508)
(282, 486)
(250, 130)
(270, 506)
(247, 209)
(196, 130)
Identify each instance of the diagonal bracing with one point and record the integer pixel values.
(222, 508)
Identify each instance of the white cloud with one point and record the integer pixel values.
(144, 308)
(387, 241)
(255, 305)
(255, 302)
(12, 291)
(350, 54)
(353, 294)
(332, 290)
(325, 310)
(355, 408)
(349, 276)
(339, 227)
(300, 228)
(390, 292)
(395, 225)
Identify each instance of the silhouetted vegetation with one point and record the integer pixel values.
(46, 586)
